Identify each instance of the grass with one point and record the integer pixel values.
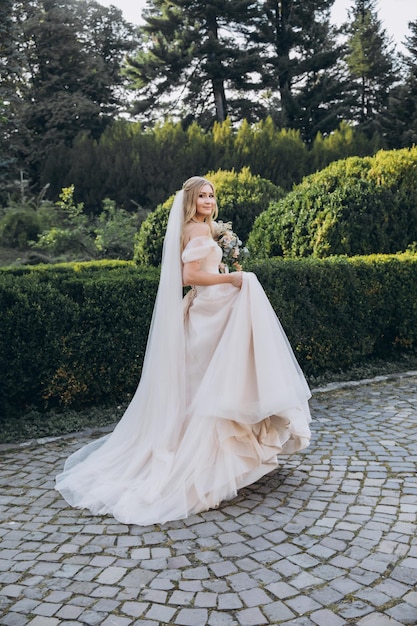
(10, 256)
(35, 425)
(370, 369)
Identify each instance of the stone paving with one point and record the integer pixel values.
(328, 539)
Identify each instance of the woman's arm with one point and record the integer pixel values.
(192, 274)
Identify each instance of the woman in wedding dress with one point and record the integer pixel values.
(220, 397)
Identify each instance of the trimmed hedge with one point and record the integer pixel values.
(357, 206)
(75, 335)
(339, 312)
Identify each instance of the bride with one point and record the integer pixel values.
(221, 393)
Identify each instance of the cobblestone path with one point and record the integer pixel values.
(328, 539)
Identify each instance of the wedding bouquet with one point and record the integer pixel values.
(231, 246)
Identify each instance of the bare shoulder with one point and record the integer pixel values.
(196, 229)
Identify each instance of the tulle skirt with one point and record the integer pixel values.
(246, 402)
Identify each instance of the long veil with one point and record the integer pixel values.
(157, 411)
(163, 373)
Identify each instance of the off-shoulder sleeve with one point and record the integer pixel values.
(197, 248)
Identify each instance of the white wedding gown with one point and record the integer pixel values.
(246, 403)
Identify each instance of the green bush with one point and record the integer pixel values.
(344, 142)
(274, 153)
(340, 311)
(241, 196)
(150, 238)
(67, 233)
(70, 235)
(75, 334)
(357, 206)
(115, 231)
(135, 165)
(72, 335)
(18, 226)
(22, 220)
(104, 352)
(36, 316)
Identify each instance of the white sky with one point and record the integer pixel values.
(394, 14)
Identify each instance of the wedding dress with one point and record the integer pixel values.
(232, 399)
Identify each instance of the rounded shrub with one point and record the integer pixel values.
(18, 227)
(241, 197)
(356, 206)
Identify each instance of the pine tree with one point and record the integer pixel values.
(371, 63)
(401, 126)
(300, 65)
(10, 79)
(194, 55)
(73, 54)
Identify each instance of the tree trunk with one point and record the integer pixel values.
(219, 100)
(216, 81)
(283, 46)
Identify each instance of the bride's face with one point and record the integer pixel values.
(205, 204)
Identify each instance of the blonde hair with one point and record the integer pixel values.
(192, 188)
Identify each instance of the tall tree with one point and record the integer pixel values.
(73, 52)
(106, 37)
(300, 64)
(401, 127)
(245, 59)
(10, 77)
(371, 62)
(194, 54)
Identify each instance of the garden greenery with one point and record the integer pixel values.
(356, 206)
(74, 335)
(241, 196)
(142, 166)
(64, 231)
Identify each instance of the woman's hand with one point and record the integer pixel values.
(236, 279)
